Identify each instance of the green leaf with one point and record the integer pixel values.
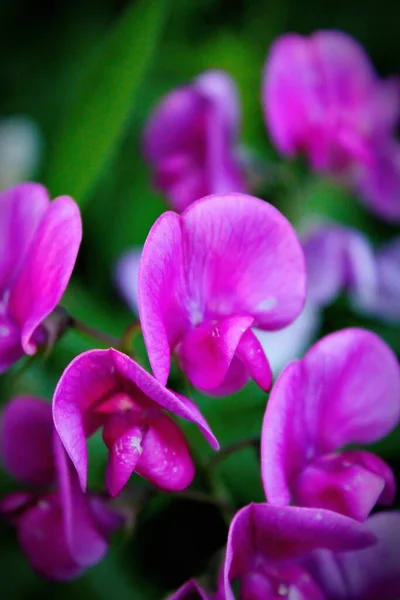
(104, 101)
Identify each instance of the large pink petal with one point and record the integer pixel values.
(161, 293)
(88, 378)
(165, 460)
(26, 440)
(241, 256)
(283, 533)
(47, 268)
(322, 403)
(22, 207)
(365, 574)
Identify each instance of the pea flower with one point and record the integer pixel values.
(339, 258)
(61, 530)
(322, 97)
(191, 141)
(308, 554)
(39, 242)
(105, 388)
(346, 390)
(227, 264)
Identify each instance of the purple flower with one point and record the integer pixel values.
(39, 242)
(346, 390)
(105, 388)
(323, 98)
(339, 258)
(190, 591)
(206, 278)
(191, 141)
(308, 554)
(61, 530)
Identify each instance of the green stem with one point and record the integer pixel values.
(100, 336)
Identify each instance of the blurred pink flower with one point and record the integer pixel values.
(206, 278)
(346, 390)
(191, 141)
(322, 97)
(61, 530)
(308, 554)
(39, 242)
(105, 388)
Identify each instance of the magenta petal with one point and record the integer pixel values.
(350, 483)
(242, 264)
(127, 273)
(207, 350)
(165, 460)
(21, 209)
(321, 404)
(41, 536)
(124, 442)
(10, 343)
(189, 591)
(251, 352)
(163, 316)
(47, 268)
(284, 533)
(26, 440)
(86, 544)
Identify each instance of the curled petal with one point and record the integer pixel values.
(26, 440)
(321, 404)
(165, 460)
(285, 533)
(47, 267)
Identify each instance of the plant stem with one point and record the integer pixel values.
(100, 336)
(231, 449)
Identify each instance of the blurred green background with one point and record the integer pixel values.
(89, 73)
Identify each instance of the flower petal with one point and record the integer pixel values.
(47, 268)
(22, 208)
(322, 403)
(10, 343)
(284, 533)
(127, 273)
(26, 440)
(189, 591)
(165, 460)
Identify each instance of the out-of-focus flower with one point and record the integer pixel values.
(207, 277)
(61, 530)
(191, 141)
(365, 574)
(190, 591)
(126, 276)
(105, 388)
(267, 546)
(39, 242)
(20, 150)
(346, 390)
(385, 304)
(323, 98)
(339, 258)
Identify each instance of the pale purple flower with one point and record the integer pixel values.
(346, 390)
(39, 242)
(339, 259)
(322, 97)
(308, 554)
(61, 530)
(206, 278)
(107, 389)
(21, 147)
(191, 141)
(126, 276)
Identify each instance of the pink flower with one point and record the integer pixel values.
(346, 390)
(61, 530)
(105, 388)
(39, 242)
(206, 278)
(191, 141)
(323, 98)
(284, 552)
(339, 258)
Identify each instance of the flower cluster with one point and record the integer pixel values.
(226, 292)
